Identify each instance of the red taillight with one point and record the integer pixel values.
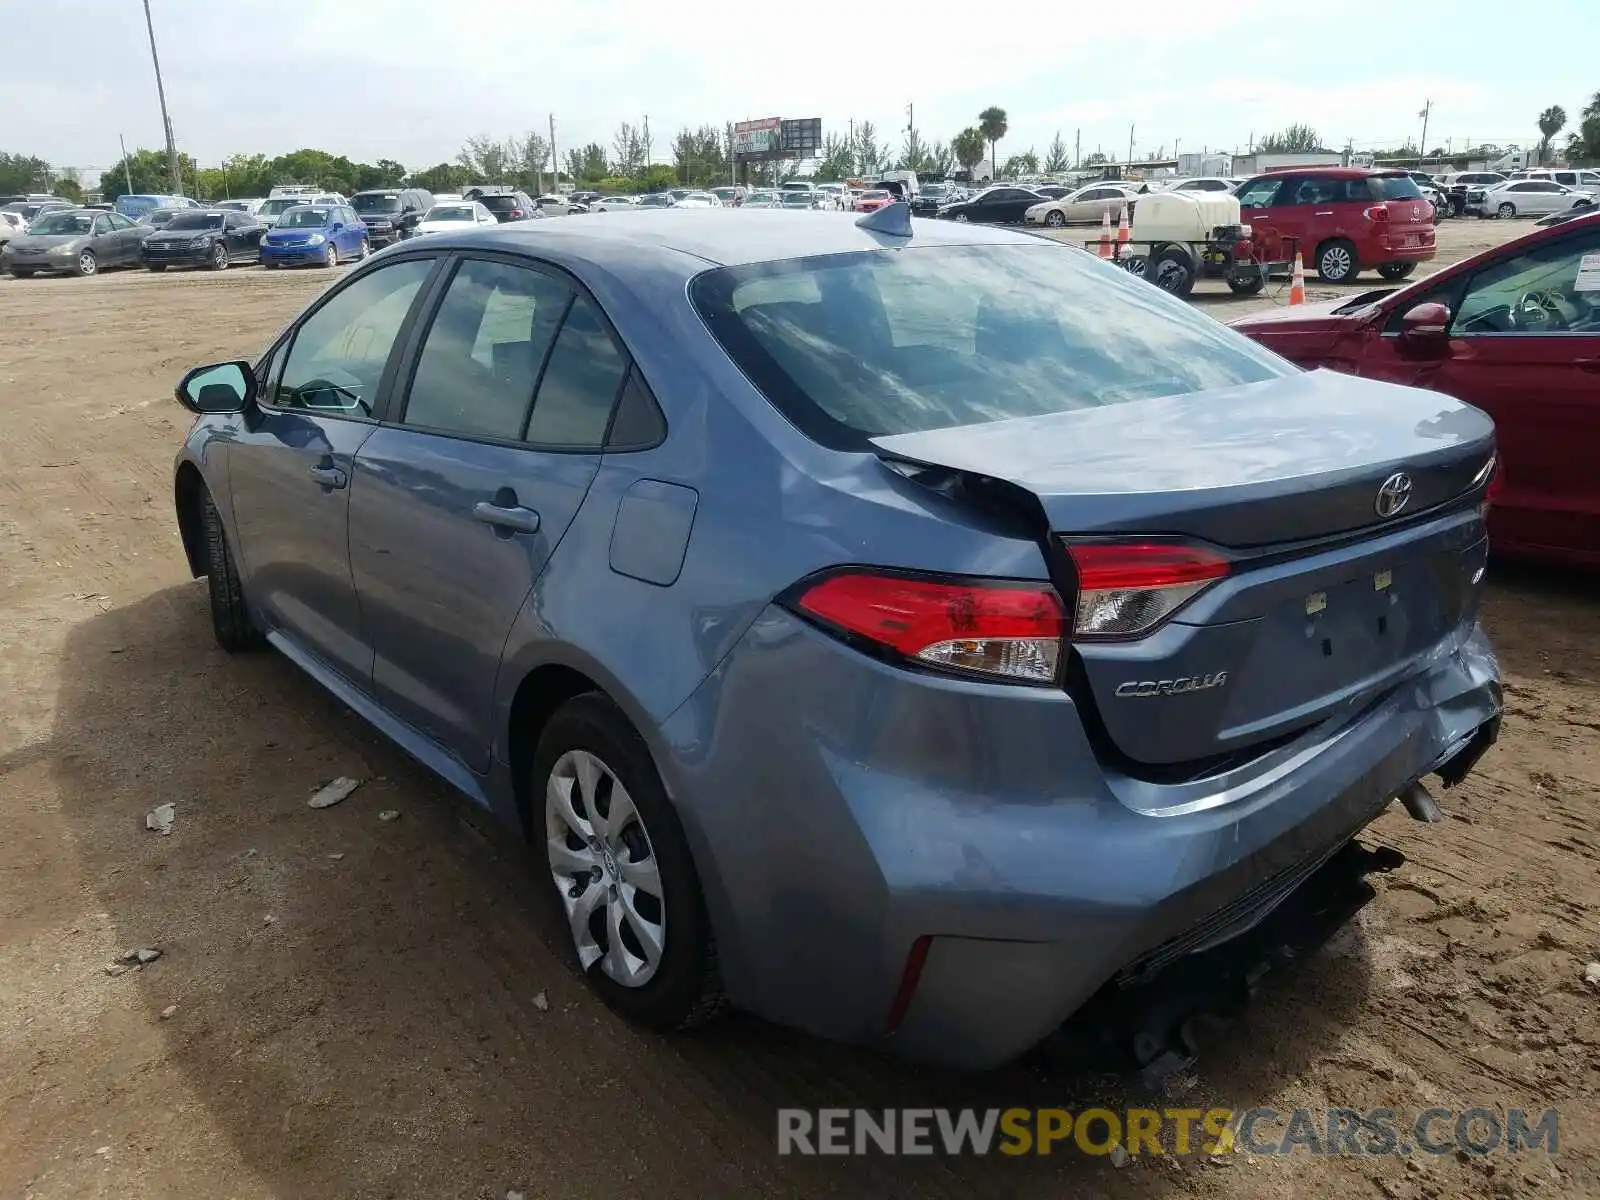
(516, 212)
(995, 628)
(1128, 588)
(1378, 212)
(909, 978)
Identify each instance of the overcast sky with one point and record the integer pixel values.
(409, 81)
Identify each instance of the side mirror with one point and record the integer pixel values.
(220, 388)
(1426, 322)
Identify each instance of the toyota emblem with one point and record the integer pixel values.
(1393, 495)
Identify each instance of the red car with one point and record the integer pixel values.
(1347, 219)
(1515, 331)
(872, 201)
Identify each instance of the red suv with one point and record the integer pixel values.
(1347, 219)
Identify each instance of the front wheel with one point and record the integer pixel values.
(621, 870)
(961, 216)
(1337, 262)
(1396, 270)
(1506, 211)
(155, 267)
(87, 264)
(330, 256)
(21, 273)
(230, 618)
(1243, 284)
(1055, 218)
(219, 257)
(366, 249)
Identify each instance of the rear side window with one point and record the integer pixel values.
(1329, 190)
(481, 359)
(580, 382)
(856, 346)
(1393, 187)
(1260, 193)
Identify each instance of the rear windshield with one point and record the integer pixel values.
(1393, 187)
(853, 346)
(282, 204)
(453, 212)
(500, 203)
(375, 204)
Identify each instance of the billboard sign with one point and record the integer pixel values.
(802, 139)
(757, 137)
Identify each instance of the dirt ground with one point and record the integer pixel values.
(349, 1007)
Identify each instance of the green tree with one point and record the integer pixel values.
(1096, 159)
(940, 161)
(914, 153)
(587, 164)
(444, 177)
(1551, 122)
(1056, 157)
(23, 173)
(1022, 164)
(149, 171)
(992, 124)
(869, 155)
(485, 159)
(838, 159)
(68, 186)
(385, 173)
(968, 147)
(1297, 139)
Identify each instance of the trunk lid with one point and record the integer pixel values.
(1326, 602)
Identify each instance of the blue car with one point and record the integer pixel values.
(910, 632)
(323, 234)
(137, 207)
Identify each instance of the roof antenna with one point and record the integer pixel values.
(892, 220)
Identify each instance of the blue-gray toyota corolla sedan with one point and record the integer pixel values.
(898, 630)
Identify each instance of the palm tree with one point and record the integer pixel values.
(1551, 122)
(992, 124)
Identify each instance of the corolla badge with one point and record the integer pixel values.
(1393, 495)
(1142, 688)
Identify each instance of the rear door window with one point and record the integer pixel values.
(1260, 193)
(481, 359)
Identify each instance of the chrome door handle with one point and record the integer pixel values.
(1329, 213)
(330, 477)
(511, 518)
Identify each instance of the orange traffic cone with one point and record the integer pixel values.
(1105, 233)
(1123, 231)
(1297, 283)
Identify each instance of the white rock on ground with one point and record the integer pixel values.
(330, 794)
(159, 819)
(1591, 975)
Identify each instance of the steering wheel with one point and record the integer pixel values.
(1532, 311)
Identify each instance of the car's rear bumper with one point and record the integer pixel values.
(841, 809)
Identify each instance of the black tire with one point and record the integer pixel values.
(156, 267)
(1247, 284)
(1337, 261)
(219, 257)
(230, 618)
(21, 273)
(1506, 211)
(1396, 270)
(1055, 218)
(86, 264)
(686, 989)
(1172, 270)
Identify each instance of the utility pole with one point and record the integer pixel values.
(161, 94)
(555, 160)
(1077, 148)
(647, 141)
(1422, 150)
(1130, 145)
(127, 171)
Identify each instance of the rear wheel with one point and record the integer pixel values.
(1055, 218)
(1337, 262)
(1172, 270)
(1506, 211)
(366, 249)
(230, 618)
(87, 264)
(1396, 270)
(621, 869)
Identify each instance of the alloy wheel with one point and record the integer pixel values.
(87, 264)
(1055, 218)
(219, 257)
(1507, 210)
(605, 869)
(1336, 263)
(331, 255)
